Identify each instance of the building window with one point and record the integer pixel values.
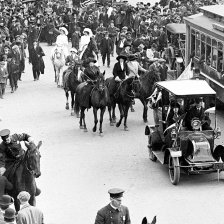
(214, 54)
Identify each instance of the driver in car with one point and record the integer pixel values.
(197, 112)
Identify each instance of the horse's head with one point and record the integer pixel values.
(145, 221)
(136, 86)
(33, 158)
(100, 82)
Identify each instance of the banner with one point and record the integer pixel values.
(187, 73)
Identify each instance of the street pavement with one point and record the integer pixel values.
(78, 168)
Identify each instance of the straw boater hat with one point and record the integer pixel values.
(64, 29)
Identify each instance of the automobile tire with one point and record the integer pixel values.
(151, 155)
(174, 170)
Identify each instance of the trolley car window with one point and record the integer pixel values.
(192, 41)
(214, 54)
(202, 46)
(208, 51)
(220, 66)
(198, 45)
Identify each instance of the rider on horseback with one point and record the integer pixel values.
(90, 74)
(11, 150)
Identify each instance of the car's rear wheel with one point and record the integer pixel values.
(174, 170)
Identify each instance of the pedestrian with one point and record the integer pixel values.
(10, 216)
(3, 77)
(5, 202)
(36, 60)
(13, 70)
(114, 212)
(28, 214)
(4, 183)
(106, 48)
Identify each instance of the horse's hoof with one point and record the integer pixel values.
(94, 129)
(67, 107)
(111, 123)
(117, 125)
(126, 128)
(81, 127)
(145, 120)
(132, 110)
(85, 130)
(72, 114)
(101, 133)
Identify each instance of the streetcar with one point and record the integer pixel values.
(174, 144)
(205, 44)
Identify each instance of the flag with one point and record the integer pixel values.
(187, 73)
(86, 3)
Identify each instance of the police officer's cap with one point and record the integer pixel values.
(116, 192)
(4, 133)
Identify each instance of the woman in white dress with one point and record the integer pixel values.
(62, 40)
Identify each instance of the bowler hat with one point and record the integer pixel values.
(6, 200)
(116, 192)
(10, 213)
(4, 132)
(132, 57)
(121, 56)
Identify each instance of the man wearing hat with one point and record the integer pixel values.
(114, 212)
(106, 47)
(5, 202)
(10, 216)
(112, 30)
(3, 29)
(76, 37)
(100, 31)
(28, 214)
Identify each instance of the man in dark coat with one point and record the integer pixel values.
(114, 212)
(106, 48)
(36, 60)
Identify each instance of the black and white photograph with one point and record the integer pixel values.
(111, 111)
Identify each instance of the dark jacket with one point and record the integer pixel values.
(91, 73)
(108, 215)
(117, 71)
(4, 185)
(106, 45)
(36, 58)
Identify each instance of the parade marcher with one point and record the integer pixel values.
(100, 31)
(62, 39)
(114, 212)
(36, 60)
(155, 69)
(120, 43)
(4, 29)
(13, 71)
(106, 47)
(28, 214)
(3, 77)
(16, 53)
(75, 38)
(112, 30)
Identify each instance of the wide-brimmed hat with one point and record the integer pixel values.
(132, 57)
(74, 50)
(121, 56)
(64, 29)
(10, 213)
(6, 200)
(87, 30)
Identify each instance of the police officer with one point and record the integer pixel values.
(114, 212)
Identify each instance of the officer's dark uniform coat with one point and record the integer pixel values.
(108, 215)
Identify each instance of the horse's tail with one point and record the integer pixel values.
(76, 106)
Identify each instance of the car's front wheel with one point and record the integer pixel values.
(174, 170)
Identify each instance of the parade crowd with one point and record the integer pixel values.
(135, 35)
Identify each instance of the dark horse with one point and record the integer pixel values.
(91, 50)
(145, 221)
(121, 94)
(70, 81)
(99, 99)
(143, 88)
(23, 177)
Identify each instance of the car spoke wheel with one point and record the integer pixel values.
(174, 170)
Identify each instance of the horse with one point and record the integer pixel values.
(99, 99)
(58, 60)
(70, 83)
(23, 177)
(143, 88)
(123, 96)
(145, 220)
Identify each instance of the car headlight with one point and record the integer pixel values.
(196, 124)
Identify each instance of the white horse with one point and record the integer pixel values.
(58, 58)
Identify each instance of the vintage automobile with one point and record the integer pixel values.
(175, 51)
(172, 142)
